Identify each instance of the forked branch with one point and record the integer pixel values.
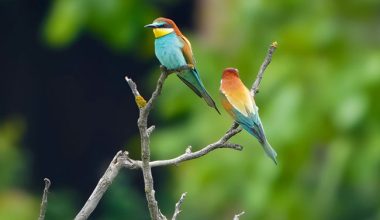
(178, 206)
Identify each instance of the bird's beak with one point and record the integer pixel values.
(150, 26)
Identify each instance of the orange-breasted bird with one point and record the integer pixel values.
(238, 102)
(173, 50)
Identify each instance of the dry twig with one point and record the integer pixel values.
(178, 205)
(267, 60)
(102, 186)
(237, 216)
(44, 201)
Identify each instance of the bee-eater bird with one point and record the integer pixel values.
(173, 50)
(239, 103)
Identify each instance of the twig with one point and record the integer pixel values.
(237, 216)
(150, 130)
(267, 60)
(102, 186)
(188, 155)
(44, 201)
(178, 205)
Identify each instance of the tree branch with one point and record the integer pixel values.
(264, 65)
(142, 124)
(188, 155)
(178, 205)
(237, 216)
(44, 201)
(102, 186)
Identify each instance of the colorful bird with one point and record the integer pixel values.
(173, 50)
(239, 103)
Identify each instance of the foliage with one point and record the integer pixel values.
(15, 203)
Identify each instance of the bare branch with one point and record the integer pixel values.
(237, 216)
(267, 60)
(142, 124)
(102, 186)
(150, 130)
(178, 205)
(44, 201)
(145, 108)
(133, 86)
(190, 156)
(156, 93)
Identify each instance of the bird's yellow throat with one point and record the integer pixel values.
(159, 32)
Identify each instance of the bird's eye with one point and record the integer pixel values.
(161, 25)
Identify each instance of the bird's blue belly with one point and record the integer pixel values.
(168, 51)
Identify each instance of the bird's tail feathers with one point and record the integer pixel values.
(210, 102)
(269, 151)
(257, 131)
(192, 80)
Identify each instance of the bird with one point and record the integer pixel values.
(173, 50)
(240, 105)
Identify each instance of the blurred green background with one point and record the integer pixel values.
(65, 109)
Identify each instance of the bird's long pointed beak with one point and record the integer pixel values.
(150, 26)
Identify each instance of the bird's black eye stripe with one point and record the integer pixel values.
(164, 25)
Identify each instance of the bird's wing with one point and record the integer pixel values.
(189, 84)
(187, 51)
(226, 104)
(240, 99)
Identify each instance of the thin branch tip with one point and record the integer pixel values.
(44, 201)
(150, 130)
(263, 67)
(237, 216)
(188, 149)
(178, 206)
(47, 183)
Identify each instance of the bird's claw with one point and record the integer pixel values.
(163, 68)
(166, 70)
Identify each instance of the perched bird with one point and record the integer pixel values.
(173, 50)
(239, 103)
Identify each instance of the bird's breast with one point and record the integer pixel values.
(168, 50)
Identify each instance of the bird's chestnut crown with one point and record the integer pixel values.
(230, 72)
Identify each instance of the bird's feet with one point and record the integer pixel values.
(180, 69)
(166, 70)
(190, 66)
(186, 67)
(163, 68)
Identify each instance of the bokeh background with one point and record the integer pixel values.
(65, 109)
